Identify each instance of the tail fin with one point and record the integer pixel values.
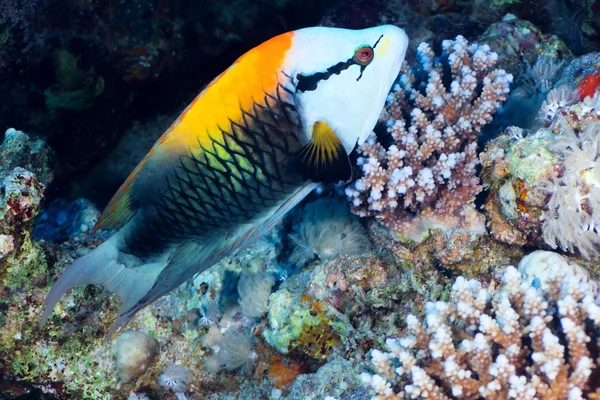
(107, 267)
(137, 283)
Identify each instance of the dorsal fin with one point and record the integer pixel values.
(324, 158)
(122, 207)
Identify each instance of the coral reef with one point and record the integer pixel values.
(63, 219)
(72, 354)
(76, 364)
(299, 323)
(300, 314)
(534, 58)
(312, 312)
(462, 252)
(519, 43)
(21, 150)
(338, 379)
(543, 184)
(518, 341)
(427, 177)
(513, 166)
(21, 196)
(21, 200)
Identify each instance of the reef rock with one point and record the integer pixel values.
(134, 352)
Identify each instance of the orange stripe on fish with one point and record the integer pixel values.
(226, 97)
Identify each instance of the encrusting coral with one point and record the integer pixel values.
(520, 341)
(427, 177)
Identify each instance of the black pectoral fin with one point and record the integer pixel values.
(324, 158)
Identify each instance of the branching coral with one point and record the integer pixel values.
(520, 342)
(427, 176)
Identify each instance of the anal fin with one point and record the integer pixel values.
(191, 258)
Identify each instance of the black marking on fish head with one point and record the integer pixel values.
(309, 82)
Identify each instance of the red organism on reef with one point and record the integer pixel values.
(588, 85)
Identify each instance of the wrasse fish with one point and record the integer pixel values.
(251, 145)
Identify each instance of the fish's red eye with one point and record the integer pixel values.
(363, 55)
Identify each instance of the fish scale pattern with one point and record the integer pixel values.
(243, 172)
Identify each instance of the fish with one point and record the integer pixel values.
(282, 119)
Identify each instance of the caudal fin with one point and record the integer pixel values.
(106, 267)
(138, 283)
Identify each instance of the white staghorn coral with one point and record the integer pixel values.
(427, 176)
(519, 341)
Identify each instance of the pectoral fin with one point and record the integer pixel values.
(324, 158)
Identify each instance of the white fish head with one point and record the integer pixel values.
(344, 76)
